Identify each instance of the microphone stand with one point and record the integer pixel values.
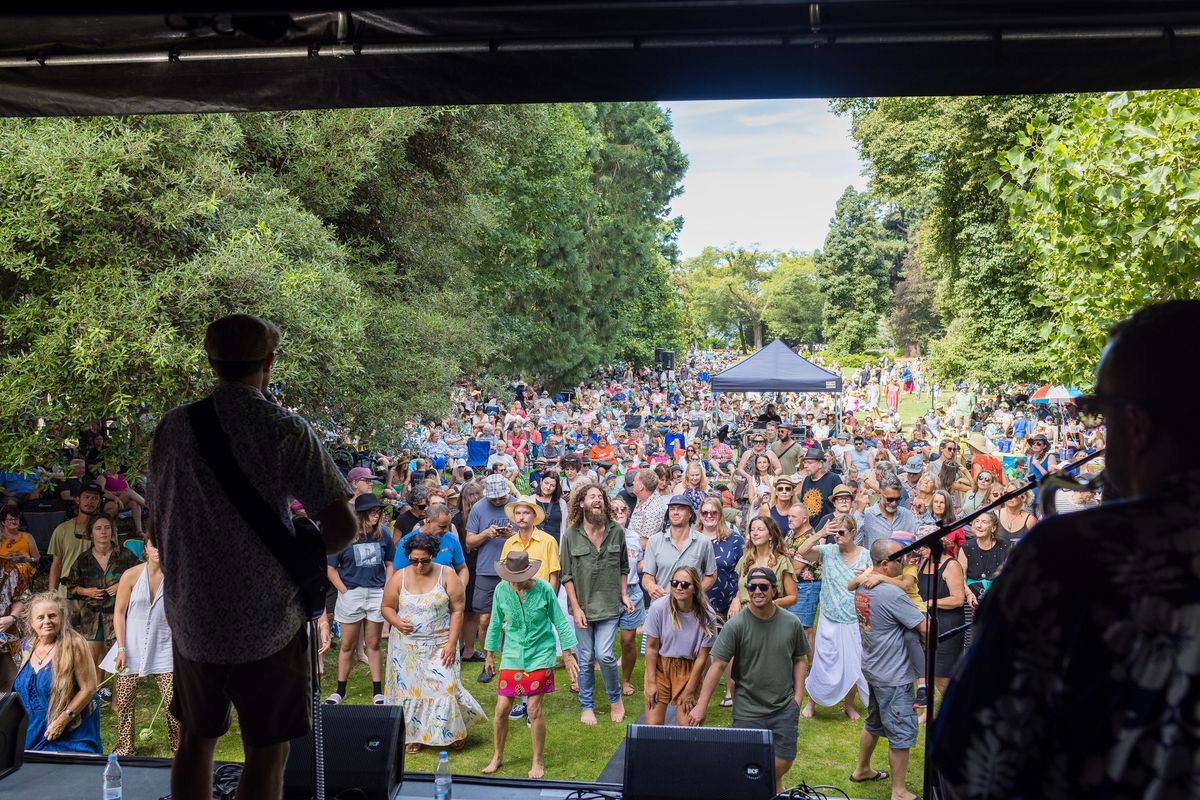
(933, 541)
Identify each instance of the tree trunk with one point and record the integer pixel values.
(757, 325)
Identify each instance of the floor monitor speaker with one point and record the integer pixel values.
(364, 750)
(666, 762)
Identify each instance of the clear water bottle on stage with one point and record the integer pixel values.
(112, 778)
(442, 780)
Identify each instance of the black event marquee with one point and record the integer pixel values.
(135, 58)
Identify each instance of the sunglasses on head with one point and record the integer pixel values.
(756, 587)
(681, 584)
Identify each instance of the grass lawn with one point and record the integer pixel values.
(828, 744)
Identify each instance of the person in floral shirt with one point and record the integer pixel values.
(808, 568)
(1083, 678)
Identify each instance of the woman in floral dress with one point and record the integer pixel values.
(424, 602)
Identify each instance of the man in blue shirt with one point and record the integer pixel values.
(437, 525)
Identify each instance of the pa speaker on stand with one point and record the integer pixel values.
(364, 750)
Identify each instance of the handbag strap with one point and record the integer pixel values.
(213, 444)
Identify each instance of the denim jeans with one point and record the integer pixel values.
(596, 642)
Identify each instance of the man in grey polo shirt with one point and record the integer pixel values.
(881, 520)
(679, 545)
(884, 614)
(488, 527)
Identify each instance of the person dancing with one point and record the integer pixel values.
(526, 610)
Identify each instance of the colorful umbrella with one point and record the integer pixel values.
(1053, 393)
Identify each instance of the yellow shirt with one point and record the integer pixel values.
(910, 570)
(540, 547)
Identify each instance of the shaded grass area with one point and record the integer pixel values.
(828, 744)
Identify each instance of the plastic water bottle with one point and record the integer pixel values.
(112, 778)
(442, 780)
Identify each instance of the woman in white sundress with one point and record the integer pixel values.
(424, 602)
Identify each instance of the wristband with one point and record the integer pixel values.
(120, 649)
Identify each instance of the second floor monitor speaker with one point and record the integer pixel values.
(665, 762)
(364, 751)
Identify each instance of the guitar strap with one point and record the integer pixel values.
(214, 448)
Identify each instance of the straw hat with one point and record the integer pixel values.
(539, 516)
(977, 441)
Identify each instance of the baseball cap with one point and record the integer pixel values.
(359, 473)
(494, 486)
(762, 572)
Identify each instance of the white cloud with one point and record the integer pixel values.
(769, 174)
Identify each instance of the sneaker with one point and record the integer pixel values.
(517, 711)
(475, 658)
(922, 700)
(106, 695)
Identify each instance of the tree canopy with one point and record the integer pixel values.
(398, 249)
(1107, 209)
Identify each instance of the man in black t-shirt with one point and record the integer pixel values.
(816, 492)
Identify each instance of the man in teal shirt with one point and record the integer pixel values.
(526, 610)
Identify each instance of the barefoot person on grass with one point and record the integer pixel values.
(525, 608)
(595, 572)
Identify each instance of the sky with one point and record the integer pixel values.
(763, 173)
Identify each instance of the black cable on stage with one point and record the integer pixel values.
(802, 791)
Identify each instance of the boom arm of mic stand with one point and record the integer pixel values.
(962, 522)
(933, 541)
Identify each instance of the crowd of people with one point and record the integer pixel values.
(738, 540)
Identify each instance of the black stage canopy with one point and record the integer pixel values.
(136, 58)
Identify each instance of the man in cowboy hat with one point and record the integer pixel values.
(818, 485)
(527, 515)
(527, 611)
(677, 546)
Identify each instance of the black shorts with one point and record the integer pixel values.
(273, 696)
(485, 589)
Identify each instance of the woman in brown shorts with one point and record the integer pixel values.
(680, 628)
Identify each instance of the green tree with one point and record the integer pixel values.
(796, 304)
(854, 270)
(914, 320)
(728, 290)
(932, 157)
(1107, 207)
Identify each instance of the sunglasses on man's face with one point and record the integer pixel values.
(756, 587)
(891, 500)
(681, 584)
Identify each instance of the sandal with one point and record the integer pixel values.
(727, 701)
(377, 699)
(412, 748)
(458, 745)
(628, 690)
(879, 775)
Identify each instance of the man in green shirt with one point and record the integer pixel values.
(595, 569)
(70, 539)
(767, 647)
(526, 611)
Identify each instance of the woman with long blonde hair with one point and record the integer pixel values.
(765, 547)
(57, 682)
(680, 628)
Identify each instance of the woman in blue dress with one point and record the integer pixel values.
(57, 683)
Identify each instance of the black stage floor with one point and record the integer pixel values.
(79, 777)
